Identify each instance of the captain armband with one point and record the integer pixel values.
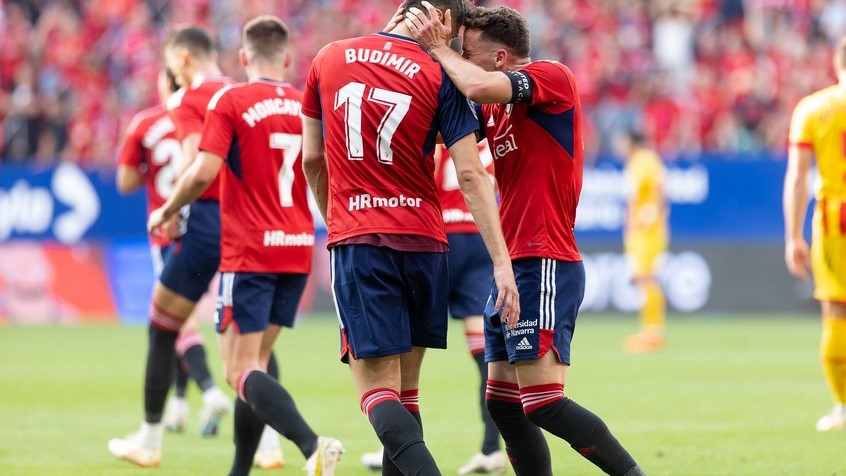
(522, 86)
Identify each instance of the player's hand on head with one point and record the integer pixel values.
(427, 28)
(398, 17)
(797, 255)
(507, 299)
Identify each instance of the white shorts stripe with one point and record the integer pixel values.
(553, 291)
(542, 310)
(332, 285)
(227, 283)
(158, 262)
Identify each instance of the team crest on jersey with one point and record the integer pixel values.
(388, 46)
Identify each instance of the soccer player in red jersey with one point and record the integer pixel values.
(189, 269)
(382, 101)
(150, 157)
(532, 116)
(267, 236)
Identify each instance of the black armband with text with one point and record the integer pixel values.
(522, 86)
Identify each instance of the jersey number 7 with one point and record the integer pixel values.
(291, 145)
(351, 97)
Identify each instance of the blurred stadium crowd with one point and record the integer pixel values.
(696, 76)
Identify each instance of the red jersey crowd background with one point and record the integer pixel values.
(72, 73)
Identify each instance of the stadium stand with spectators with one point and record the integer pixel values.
(695, 75)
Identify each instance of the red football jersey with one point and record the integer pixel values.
(188, 110)
(538, 153)
(266, 223)
(151, 146)
(457, 217)
(383, 100)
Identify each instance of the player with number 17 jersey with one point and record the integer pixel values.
(383, 101)
(266, 223)
(151, 147)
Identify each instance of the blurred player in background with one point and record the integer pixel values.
(645, 238)
(190, 56)
(151, 157)
(470, 274)
(267, 233)
(382, 102)
(531, 114)
(818, 130)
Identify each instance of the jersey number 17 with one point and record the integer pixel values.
(351, 97)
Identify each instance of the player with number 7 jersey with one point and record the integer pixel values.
(266, 223)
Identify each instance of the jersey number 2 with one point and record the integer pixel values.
(290, 144)
(351, 97)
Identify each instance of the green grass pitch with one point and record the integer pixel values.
(730, 395)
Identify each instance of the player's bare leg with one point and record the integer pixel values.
(833, 355)
(263, 400)
(380, 383)
(490, 459)
(541, 384)
(167, 315)
(652, 318)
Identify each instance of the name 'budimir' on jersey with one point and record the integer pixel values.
(392, 60)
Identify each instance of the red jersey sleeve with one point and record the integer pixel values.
(311, 95)
(132, 151)
(553, 84)
(185, 118)
(218, 131)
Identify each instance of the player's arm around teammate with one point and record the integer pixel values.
(531, 111)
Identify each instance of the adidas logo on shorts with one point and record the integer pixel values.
(524, 344)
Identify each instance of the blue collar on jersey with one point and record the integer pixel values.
(399, 37)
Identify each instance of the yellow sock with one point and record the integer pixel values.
(833, 352)
(652, 314)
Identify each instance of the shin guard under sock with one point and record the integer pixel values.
(274, 405)
(546, 406)
(159, 372)
(247, 435)
(524, 442)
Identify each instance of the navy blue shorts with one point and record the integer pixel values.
(252, 301)
(389, 300)
(470, 274)
(551, 292)
(196, 254)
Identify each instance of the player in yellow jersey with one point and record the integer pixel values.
(818, 129)
(645, 238)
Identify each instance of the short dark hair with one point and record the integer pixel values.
(193, 38)
(458, 8)
(266, 36)
(502, 25)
